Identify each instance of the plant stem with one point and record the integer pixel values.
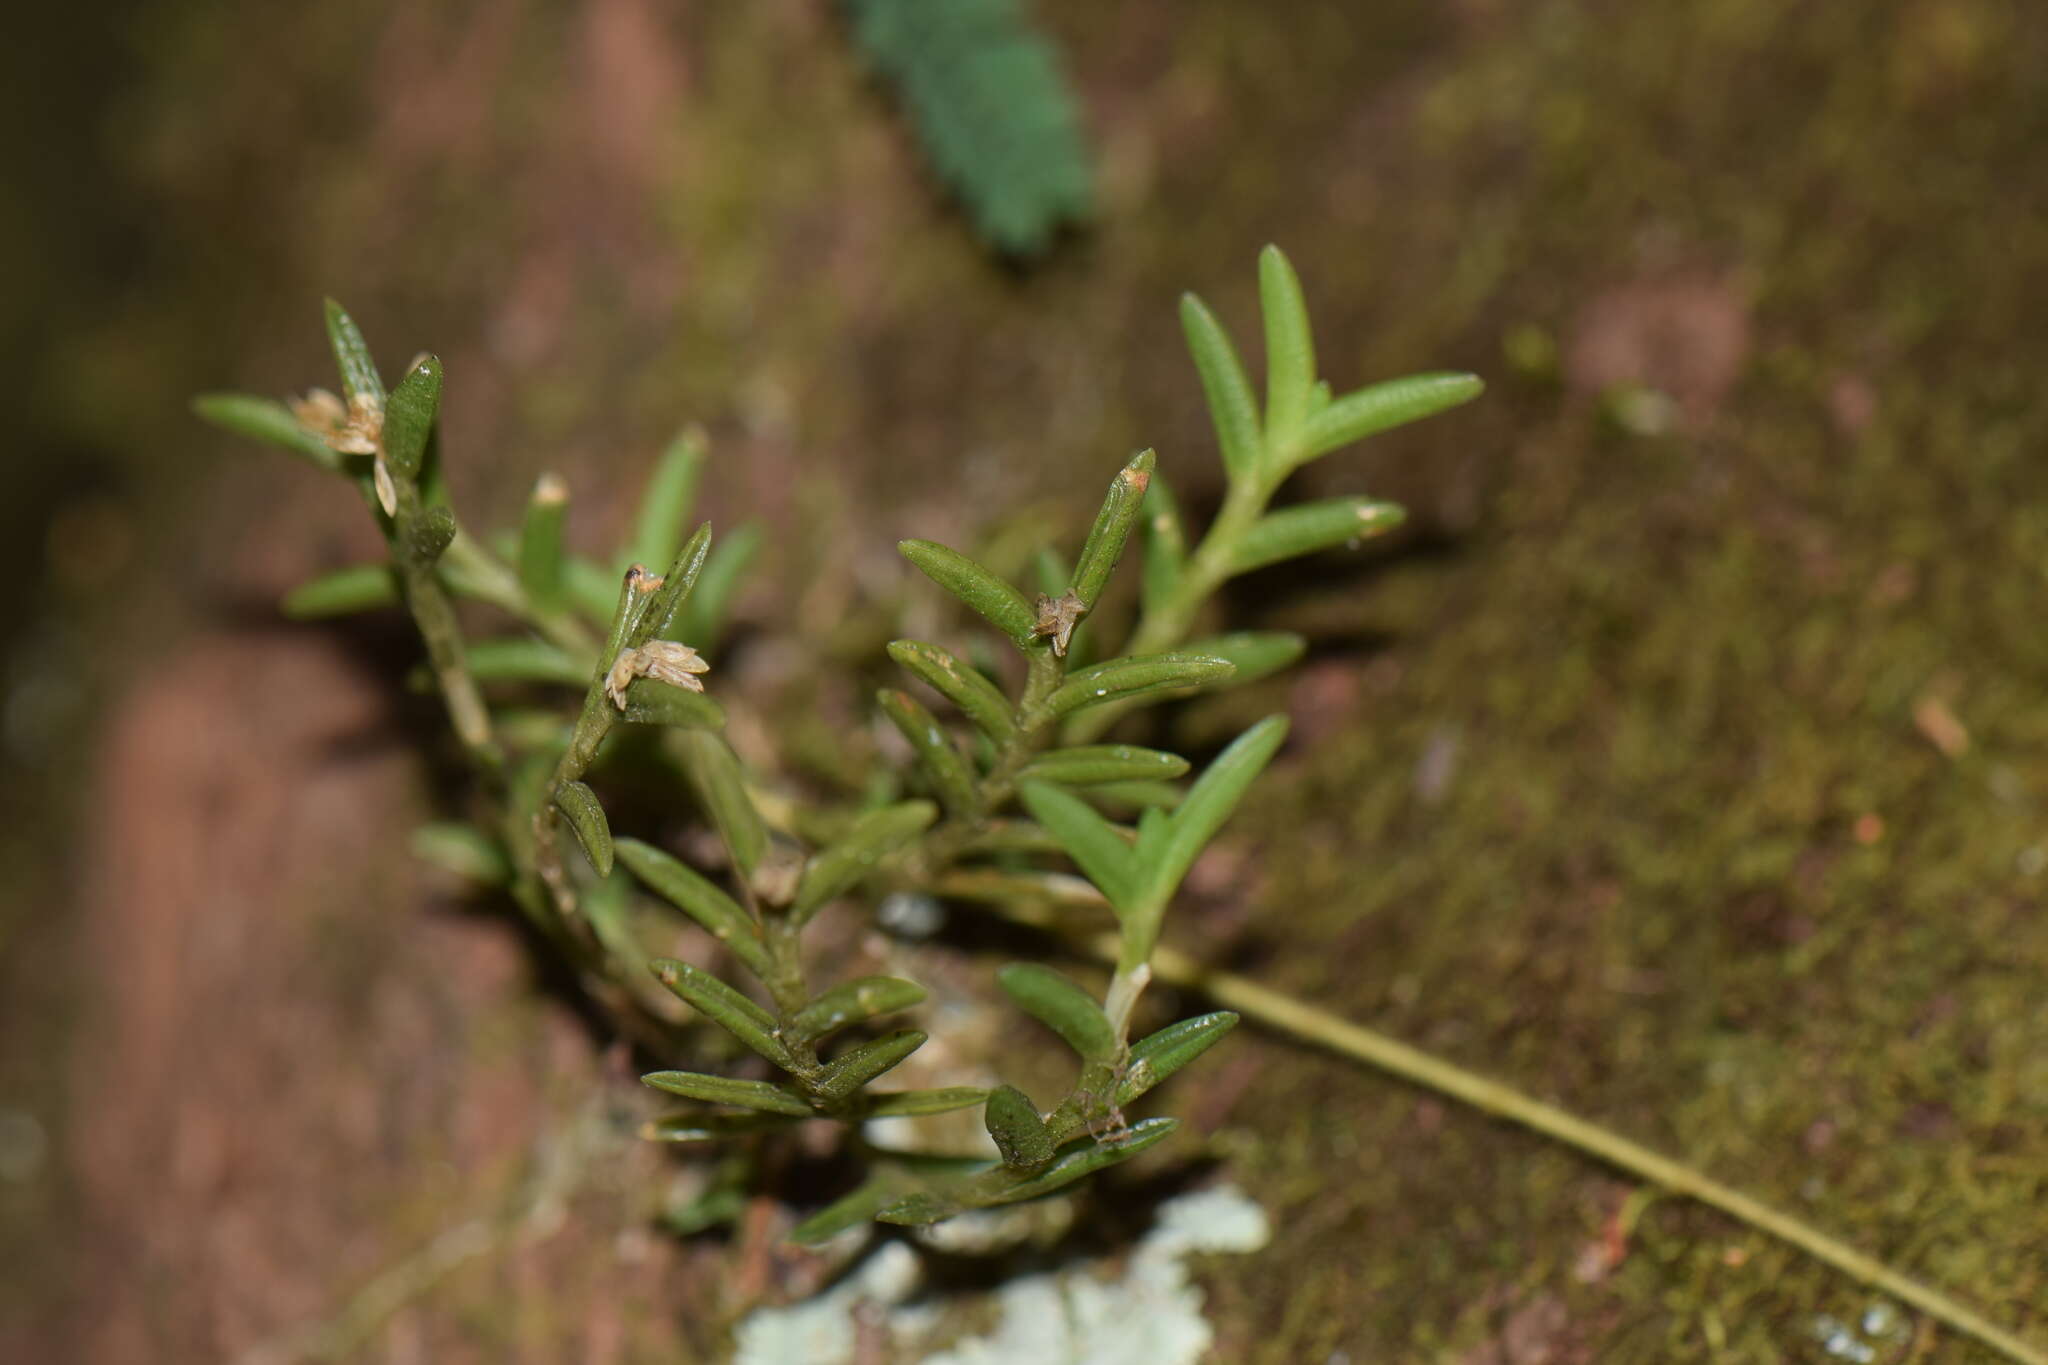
(1285, 1014)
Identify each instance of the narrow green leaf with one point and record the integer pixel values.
(1102, 854)
(1319, 398)
(666, 500)
(352, 356)
(1020, 1134)
(854, 1002)
(694, 1126)
(1290, 349)
(1365, 412)
(911, 1104)
(835, 870)
(1084, 1159)
(1158, 1055)
(432, 532)
(1053, 573)
(590, 586)
(1004, 607)
(1232, 409)
(1166, 545)
(1061, 1006)
(921, 1209)
(855, 1068)
(1313, 526)
(1087, 764)
(524, 659)
(724, 1006)
(360, 587)
(721, 790)
(719, 914)
(652, 702)
(952, 679)
(857, 1206)
(1105, 543)
(704, 614)
(1122, 679)
(1011, 836)
(540, 543)
(1254, 653)
(1118, 796)
(662, 612)
(693, 1085)
(409, 417)
(937, 758)
(1208, 804)
(268, 421)
(463, 850)
(608, 907)
(579, 803)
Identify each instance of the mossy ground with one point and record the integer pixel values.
(1694, 780)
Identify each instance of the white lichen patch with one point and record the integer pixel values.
(1084, 1315)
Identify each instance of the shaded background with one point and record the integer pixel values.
(1684, 763)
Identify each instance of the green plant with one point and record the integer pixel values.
(997, 119)
(985, 821)
(988, 819)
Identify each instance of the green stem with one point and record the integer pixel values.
(1287, 1015)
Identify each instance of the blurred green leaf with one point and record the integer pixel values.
(1254, 654)
(1232, 409)
(463, 850)
(1104, 856)
(940, 762)
(524, 659)
(1208, 804)
(540, 544)
(1368, 411)
(704, 615)
(835, 870)
(652, 702)
(700, 1127)
(1087, 764)
(662, 612)
(921, 1103)
(849, 1210)
(1312, 526)
(721, 789)
(1061, 1006)
(665, 501)
(1290, 349)
(268, 421)
(1166, 544)
(360, 587)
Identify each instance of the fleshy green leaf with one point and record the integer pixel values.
(652, 702)
(586, 816)
(1158, 1055)
(1365, 412)
(854, 1069)
(921, 1103)
(1208, 804)
(857, 1206)
(1105, 543)
(1085, 1158)
(463, 850)
(1123, 679)
(662, 612)
(952, 679)
(360, 587)
(540, 543)
(724, 1006)
(1166, 544)
(693, 1085)
(524, 659)
(352, 356)
(719, 914)
(1102, 854)
(1020, 1134)
(1290, 350)
(937, 759)
(715, 777)
(1312, 526)
(835, 870)
(856, 1001)
(1061, 1006)
(1254, 653)
(1232, 409)
(1004, 607)
(409, 416)
(1087, 764)
(666, 500)
(268, 421)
